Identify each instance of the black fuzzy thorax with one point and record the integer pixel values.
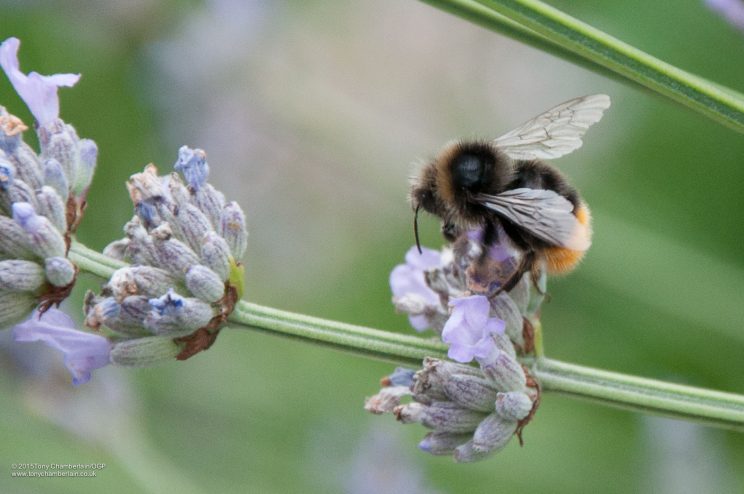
(474, 168)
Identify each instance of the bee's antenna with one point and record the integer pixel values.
(415, 229)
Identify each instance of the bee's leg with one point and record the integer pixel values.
(526, 264)
(450, 231)
(535, 274)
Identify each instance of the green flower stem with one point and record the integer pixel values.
(642, 395)
(608, 388)
(476, 13)
(383, 345)
(563, 32)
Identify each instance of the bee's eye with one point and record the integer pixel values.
(467, 170)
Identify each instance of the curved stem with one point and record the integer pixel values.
(608, 388)
(641, 394)
(384, 345)
(548, 28)
(476, 13)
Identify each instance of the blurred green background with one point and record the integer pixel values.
(312, 114)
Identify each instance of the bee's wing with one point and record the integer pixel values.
(556, 132)
(543, 213)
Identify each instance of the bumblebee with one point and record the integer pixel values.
(504, 187)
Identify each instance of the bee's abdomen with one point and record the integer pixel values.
(561, 260)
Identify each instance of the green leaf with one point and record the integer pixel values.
(549, 29)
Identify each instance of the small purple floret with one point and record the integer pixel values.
(192, 163)
(408, 278)
(401, 377)
(39, 92)
(168, 304)
(83, 352)
(468, 330)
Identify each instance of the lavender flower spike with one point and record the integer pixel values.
(468, 330)
(84, 352)
(39, 92)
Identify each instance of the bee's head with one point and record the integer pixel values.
(424, 192)
(424, 195)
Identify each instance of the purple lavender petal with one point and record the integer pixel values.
(39, 92)
(83, 352)
(419, 322)
(409, 278)
(468, 330)
(427, 259)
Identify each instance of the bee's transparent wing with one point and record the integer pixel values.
(556, 132)
(543, 213)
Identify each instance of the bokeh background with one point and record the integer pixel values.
(312, 114)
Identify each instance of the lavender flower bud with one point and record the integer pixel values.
(401, 376)
(521, 293)
(146, 186)
(11, 131)
(27, 165)
(192, 163)
(147, 281)
(46, 240)
(211, 202)
(141, 248)
(467, 454)
(17, 191)
(176, 316)
(493, 433)
(20, 276)
(215, 254)
(205, 284)
(50, 204)
(144, 352)
(428, 383)
(125, 318)
(117, 249)
(59, 141)
(537, 294)
(15, 306)
(14, 243)
(442, 443)
(86, 165)
(232, 229)
(471, 392)
(506, 309)
(505, 372)
(172, 255)
(59, 271)
(194, 225)
(504, 343)
(7, 173)
(54, 176)
(441, 416)
(514, 405)
(178, 191)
